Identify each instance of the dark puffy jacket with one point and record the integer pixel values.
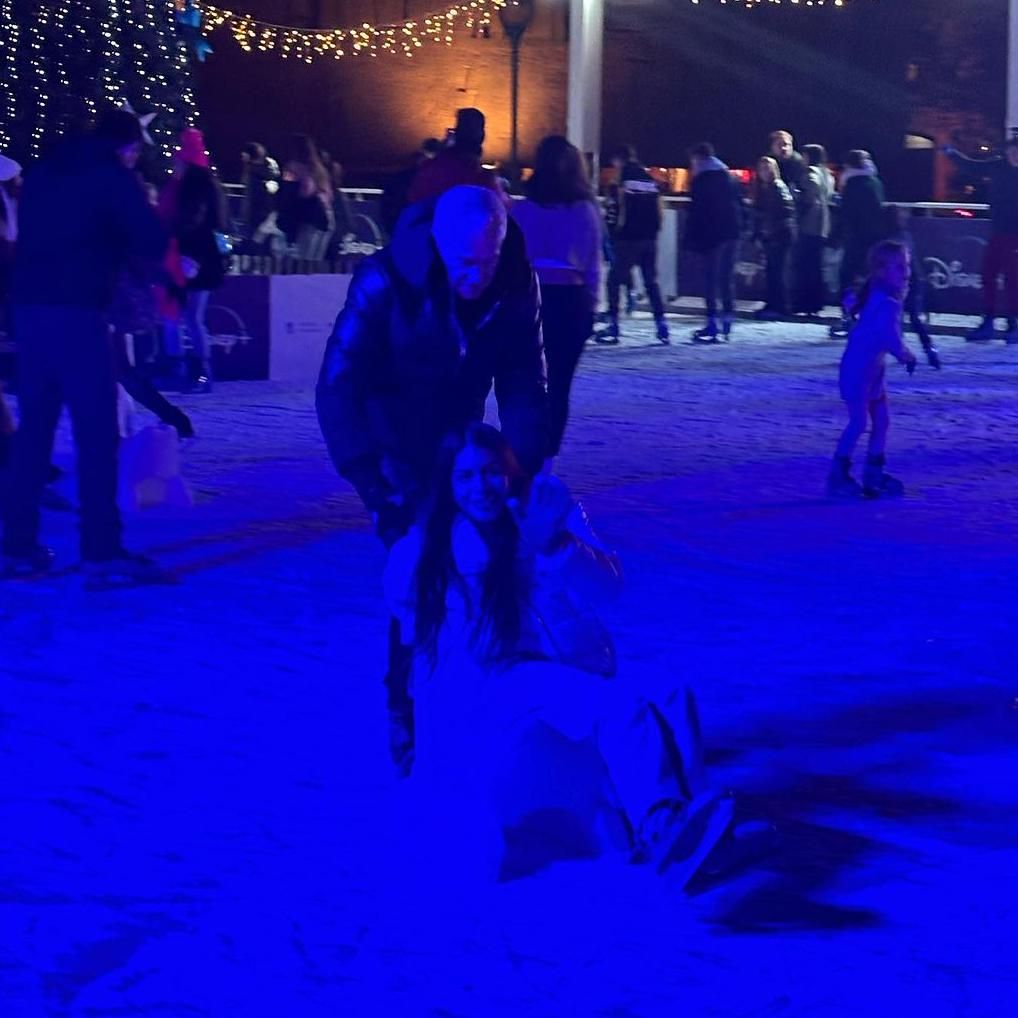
(639, 200)
(82, 218)
(715, 213)
(862, 212)
(401, 369)
(199, 215)
(774, 213)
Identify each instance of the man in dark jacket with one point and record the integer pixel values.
(83, 217)
(449, 308)
(1001, 258)
(638, 199)
(712, 231)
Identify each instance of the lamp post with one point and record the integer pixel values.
(515, 16)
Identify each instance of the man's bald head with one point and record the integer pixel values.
(469, 227)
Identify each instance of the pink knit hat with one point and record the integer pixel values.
(192, 148)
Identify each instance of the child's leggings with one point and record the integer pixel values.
(876, 412)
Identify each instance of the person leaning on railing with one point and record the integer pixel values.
(1001, 258)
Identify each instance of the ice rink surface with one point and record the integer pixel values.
(197, 815)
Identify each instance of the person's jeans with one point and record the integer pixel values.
(66, 357)
(719, 279)
(629, 253)
(192, 318)
(568, 321)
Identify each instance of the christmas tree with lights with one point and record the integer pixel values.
(63, 61)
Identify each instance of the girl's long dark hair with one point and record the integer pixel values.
(560, 174)
(503, 588)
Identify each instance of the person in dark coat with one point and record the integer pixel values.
(431, 322)
(194, 210)
(861, 222)
(638, 199)
(82, 218)
(774, 227)
(260, 178)
(792, 167)
(1001, 258)
(712, 231)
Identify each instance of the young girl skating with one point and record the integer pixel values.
(876, 333)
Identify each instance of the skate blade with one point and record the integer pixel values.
(706, 824)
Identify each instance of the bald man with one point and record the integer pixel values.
(431, 322)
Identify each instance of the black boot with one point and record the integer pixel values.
(878, 484)
(840, 482)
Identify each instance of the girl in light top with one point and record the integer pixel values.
(562, 228)
(876, 333)
(527, 749)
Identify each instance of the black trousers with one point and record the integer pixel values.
(641, 253)
(809, 275)
(719, 279)
(65, 358)
(568, 320)
(776, 252)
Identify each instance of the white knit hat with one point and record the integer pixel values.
(9, 169)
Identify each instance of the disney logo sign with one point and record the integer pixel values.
(941, 275)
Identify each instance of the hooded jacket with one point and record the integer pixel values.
(402, 368)
(639, 204)
(715, 213)
(862, 209)
(82, 218)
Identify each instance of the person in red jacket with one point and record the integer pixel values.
(458, 164)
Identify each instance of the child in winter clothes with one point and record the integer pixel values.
(861, 380)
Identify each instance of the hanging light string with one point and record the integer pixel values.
(306, 44)
(779, 3)
(9, 73)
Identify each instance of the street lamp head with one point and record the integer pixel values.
(516, 16)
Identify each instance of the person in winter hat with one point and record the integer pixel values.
(712, 231)
(861, 222)
(82, 218)
(1001, 257)
(638, 198)
(876, 333)
(194, 210)
(457, 165)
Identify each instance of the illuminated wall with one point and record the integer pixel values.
(372, 112)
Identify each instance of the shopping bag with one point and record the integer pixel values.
(150, 470)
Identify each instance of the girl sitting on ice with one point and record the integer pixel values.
(876, 333)
(526, 750)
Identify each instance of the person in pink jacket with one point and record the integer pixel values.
(877, 333)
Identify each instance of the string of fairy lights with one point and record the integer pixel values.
(307, 44)
(50, 40)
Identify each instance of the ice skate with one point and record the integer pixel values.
(685, 844)
(983, 332)
(840, 482)
(662, 330)
(841, 328)
(708, 334)
(610, 335)
(124, 570)
(726, 327)
(26, 565)
(878, 484)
